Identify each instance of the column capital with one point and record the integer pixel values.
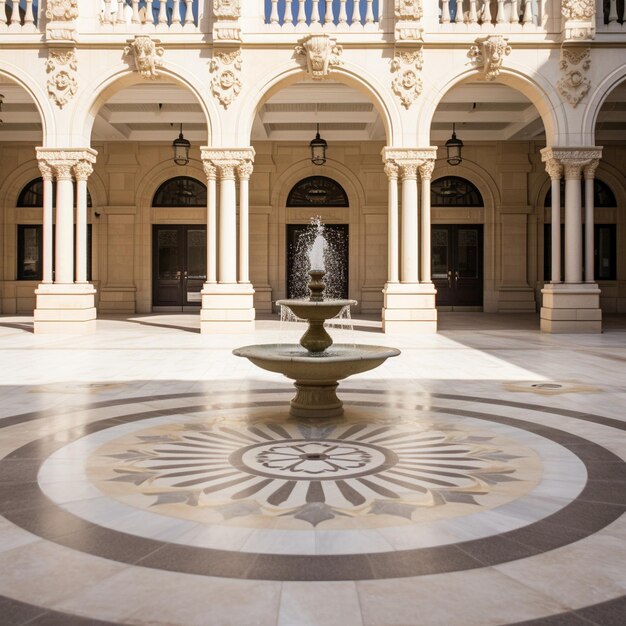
(46, 171)
(554, 169)
(63, 160)
(83, 170)
(409, 160)
(226, 160)
(245, 169)
(391, 169)
(426, 169)
(589, 170)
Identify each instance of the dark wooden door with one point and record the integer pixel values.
(457, 264)
(178, 265)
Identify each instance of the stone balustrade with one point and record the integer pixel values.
(330, 15)
(486, 15)
(611, 16)
(151, 15)
(19, 17)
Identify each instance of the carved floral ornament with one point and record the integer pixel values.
(226, 82)
(408, 162)
(490, 52)
(574, 64)
(62, 82)
(147, 54)
(571, 162)
(64, 163)
(407, 85)
(228, 162)
(322, 54)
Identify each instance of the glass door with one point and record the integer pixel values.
(178, 265)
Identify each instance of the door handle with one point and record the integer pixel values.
(178, 275)
(456, 277)
(449, 278)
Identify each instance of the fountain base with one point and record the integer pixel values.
(318, 399)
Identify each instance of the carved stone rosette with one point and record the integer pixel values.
(579, 18)
(226, 14)
(489, 52)
(61, 16)
(147, 54)
(322, 54)
(408, 14)
(226, 82)
(574, 85)
(62, 84)
(407, 85)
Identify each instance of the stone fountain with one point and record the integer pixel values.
(313, 365)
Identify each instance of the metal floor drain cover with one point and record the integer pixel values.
(547, 386)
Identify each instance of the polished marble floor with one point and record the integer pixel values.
(148, 476)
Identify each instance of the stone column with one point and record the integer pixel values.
(426, 172)
(572, 169)
(244, 170)
(47, 221)
(64, 236)
(555, 171)
(409, 306)
(572, 306)
(82, 171)
(589, 173)
(391, 169)
(409, 232)
(211, 223)
(228, 304)
(66, 306)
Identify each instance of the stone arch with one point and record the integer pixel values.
(539, 91)
(39, 97)
(348, 73)
(600, 94)
(356, 196)
(96, 94)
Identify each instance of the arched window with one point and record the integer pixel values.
(31, 195)
(603, 196)
(454, 191)
(319, 191)
(182, 191)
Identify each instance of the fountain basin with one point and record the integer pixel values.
(317, 311)
(316, 375)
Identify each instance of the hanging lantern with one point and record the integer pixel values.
(453, 148)
(181, 149)
(318, 149)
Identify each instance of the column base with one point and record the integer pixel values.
(227, 308)
(67, 309)
(571, 308)
(409, 308)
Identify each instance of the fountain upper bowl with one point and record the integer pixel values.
(308, 310)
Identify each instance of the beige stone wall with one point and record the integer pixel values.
(510, 176)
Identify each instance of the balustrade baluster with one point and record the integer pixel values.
(445, 11)
(135, 18)
(514, 14)
(274, 13)
(528, 12)
(29, 15)
(356, 12)
(163, 12)
(315, 12)
(119, 16)
(106, 18)
(485, 16)
(149, 13)
(369, 12)
(613, 12)
(176, 12)
(500, 17)
(343, 14)
(472, 17)
(328, 13)
(459, 18)
(189, 13)
(288, 19)
(301, 12)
